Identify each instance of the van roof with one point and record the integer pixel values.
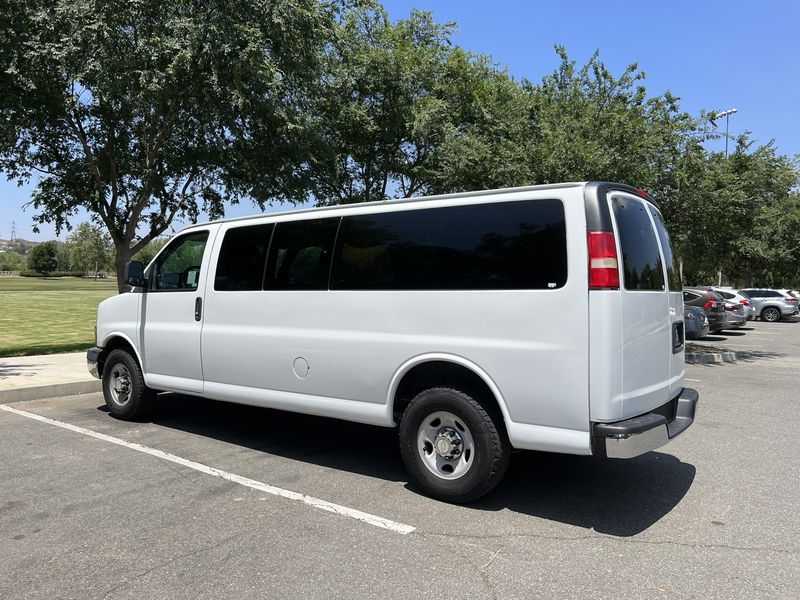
(511, 190)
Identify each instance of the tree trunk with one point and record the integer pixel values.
(123, 255)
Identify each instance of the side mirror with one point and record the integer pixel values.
(134, 274)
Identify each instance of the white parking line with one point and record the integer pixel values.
(251, 483)
(687, 379)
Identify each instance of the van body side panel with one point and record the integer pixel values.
(533, 344)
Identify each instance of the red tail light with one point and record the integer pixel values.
(745, 302)
(790, 299)
(603, 265)
(710, 303)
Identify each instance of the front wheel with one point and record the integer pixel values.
(451, 445)
(771, 314)
(125, 393)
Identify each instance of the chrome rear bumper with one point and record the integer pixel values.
(635, 436)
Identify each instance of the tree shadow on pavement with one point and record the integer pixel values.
(12, 369)
(616, 497)
(755, 355)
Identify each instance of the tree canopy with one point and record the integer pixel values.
(143, 113)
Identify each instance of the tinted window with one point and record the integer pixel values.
(178, 267)
(641, 260)
(241, 259)
(726, 295)
(673, 274)
(689, 296)
(506, 245)
(300, 255)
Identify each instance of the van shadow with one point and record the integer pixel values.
(616, 497)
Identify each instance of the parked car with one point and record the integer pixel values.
(739, 298)
(695, 322)
(735, 313)
(431, 315)
(712, 303)
(772, 305)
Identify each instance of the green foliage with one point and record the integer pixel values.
(144, 112)
(89, 249)
(11, 260)
(43, 258)
(141, 112)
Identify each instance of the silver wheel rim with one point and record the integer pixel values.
(445, 445)
(119, 384)
(771, 314)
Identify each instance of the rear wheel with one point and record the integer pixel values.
(771, 314)
(452, 446)
(125, 393)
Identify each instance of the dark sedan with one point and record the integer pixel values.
(709, 301)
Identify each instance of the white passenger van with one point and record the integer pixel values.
(542, 318)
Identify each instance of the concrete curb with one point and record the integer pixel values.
(706, 358)
(36, 392)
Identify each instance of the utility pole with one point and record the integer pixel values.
(727, 114)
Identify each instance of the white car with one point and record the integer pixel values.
(736, 297)
(543, 318)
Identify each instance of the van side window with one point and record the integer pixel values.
(300, 255)
(178, 267)
(641, 260)
(240, 266)
(673, 274)
(504, 245)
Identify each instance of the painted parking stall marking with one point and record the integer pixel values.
(338, 509)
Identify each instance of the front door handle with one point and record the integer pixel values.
(198, 306)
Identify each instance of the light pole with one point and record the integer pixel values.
(727, 114)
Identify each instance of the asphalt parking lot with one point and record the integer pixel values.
(191, 503)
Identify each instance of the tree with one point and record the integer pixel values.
(396, 96)
(11, 260)
(89, 249)
(143, 112)
(43, 258)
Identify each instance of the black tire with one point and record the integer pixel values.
(771, 314)
(125, 393)
(481, 432)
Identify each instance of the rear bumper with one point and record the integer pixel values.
(92, 361)
(635, 436)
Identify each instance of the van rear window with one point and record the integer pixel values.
(673, 274)
(641, 260)
(504, 245)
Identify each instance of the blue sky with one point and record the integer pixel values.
(713, 55)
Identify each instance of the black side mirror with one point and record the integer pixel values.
(134, 274)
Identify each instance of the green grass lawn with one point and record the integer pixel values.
(43, 316)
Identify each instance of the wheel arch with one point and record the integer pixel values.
(118, 341)
(437, 370)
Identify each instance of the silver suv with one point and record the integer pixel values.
(771, 305)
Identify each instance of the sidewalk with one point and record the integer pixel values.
(33, 377)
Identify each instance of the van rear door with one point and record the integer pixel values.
(649, 313)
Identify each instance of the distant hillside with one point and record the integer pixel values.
(19, 245)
